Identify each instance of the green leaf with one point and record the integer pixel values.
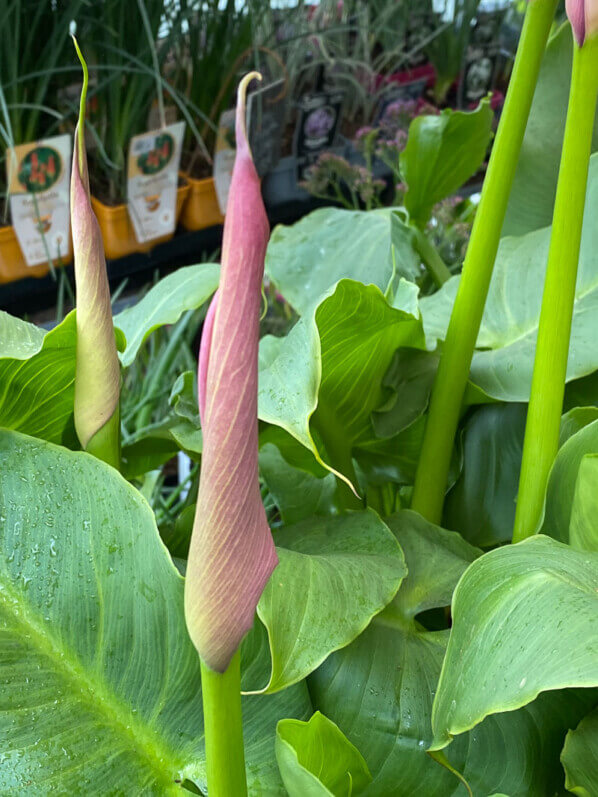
(532, 197)
(326, 378)
(502, 367)
(333, 576)
(410, 378)
(525, 620)
(379, 689)
(101, 683)
(316, 760)
(37, 374)
(560, 492)
(442, 153)
(308, 258)
(19, 340)
(580, 757)
(583, 531)
(152, 446)
(481, 504)
(186, 289)
(300, 486)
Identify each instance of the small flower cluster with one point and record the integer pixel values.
(354, 185)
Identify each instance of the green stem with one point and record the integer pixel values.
(451, 380)
(434, 264)
(223, 723)
(552, 349)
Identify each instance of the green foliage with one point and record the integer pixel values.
(442, 153)
(580, 757)
(315, 759)
(88, 592)
(343, 571)
(524, 622)
(379, 635)
(503, 362)
(534, 189)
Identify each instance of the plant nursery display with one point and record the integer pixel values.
(319, 518)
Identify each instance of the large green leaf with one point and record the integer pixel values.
(101, 684)
(525, 620)
(532, 198)
(306, 259)
(37, 377)
(442, 153)
(19, 339)
(316, 760)
(503, 364)
(299, 485)
(185, 289)
(379, 690)
(333, 576)
(580, 757)
(481, 504)
(325, 378)
(583, 529)
(562, 481)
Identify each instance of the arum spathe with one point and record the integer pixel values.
(583, 15)
(232, 553)
(97, 375)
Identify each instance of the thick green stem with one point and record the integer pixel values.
(453, 371)
(223, 723)
(434, 264)
(552, 349)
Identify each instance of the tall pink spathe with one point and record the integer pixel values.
(583, 15)
(232, 553)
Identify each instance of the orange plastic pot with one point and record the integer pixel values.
(13, 265)
(201, 209)
(117, 231)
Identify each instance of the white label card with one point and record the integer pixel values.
(152, 180)
(39, 186)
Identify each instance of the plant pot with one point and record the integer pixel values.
(201, 209)
(117, 231)
(13, 265)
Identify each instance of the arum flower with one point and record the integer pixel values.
(97, 375)
(583, 15)
(232, 553)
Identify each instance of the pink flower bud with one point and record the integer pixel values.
(232, 553)
(97, 375)
(583, 15)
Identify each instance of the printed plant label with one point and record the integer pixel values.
(152, 180)
(38, 176)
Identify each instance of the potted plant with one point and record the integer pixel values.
(213, 41)
(129, 58)
(31, 56)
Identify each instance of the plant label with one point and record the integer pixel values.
(483, 58)
(38, 177)
(152, 180)
(317, 122)
(265, 121)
